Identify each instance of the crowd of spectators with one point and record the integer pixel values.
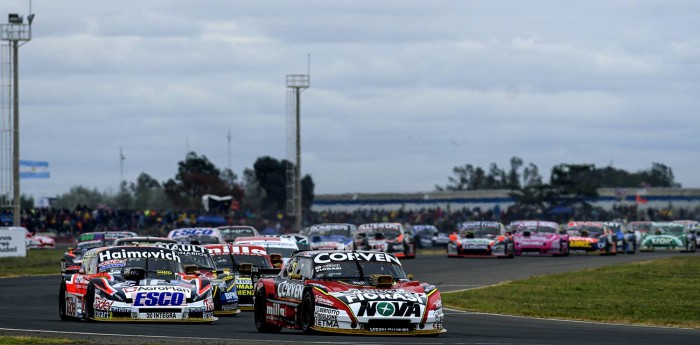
(69, 223)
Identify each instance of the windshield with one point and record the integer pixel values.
(256, 260)
(581, 229)
(641, 227)
(329, 232)
(202, 261)
(164, 269)
(389, 234)
(223, 261)
(285, 252)
(198, 239)
(231, 234)
(84, 246)
(541, 228)
(668, 229)
(348, 270)
(480, 232)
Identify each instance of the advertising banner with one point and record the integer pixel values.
(13, 242)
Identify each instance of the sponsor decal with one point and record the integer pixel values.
(323, 300)
(208, 315)
(226, 307)
(354, 295)
(165, 298)
(392, 226)
(102, 314)
(326, 317)
(276, 309)
(191, 232)
(121, 310)
(245, 287)
(209, 304)
(325, 227)
(479, 225)
(389, 309)
(324, 258)
(109, 264)
(583, 243)
(70, 306)
(230, 296)
(136, 254)
(156, 316)
(388, 329)
(247, 250)
(290, 290)
(158, 288)
(476, 246)
(102, 304)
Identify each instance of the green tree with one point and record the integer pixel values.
(196, 177)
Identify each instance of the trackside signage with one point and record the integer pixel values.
(12, 243)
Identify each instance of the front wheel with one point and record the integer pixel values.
(90, 302)
(260, 313)
(307, 312)
(62, 302)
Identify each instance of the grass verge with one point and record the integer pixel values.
(658, 292)
(40, 261)
(23, 340)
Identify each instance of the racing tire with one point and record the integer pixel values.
(259, 313)
(307, 312)
(62, 302)
(90, 302)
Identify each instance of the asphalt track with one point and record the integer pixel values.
(29, 306)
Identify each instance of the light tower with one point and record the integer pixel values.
(16, 31)
(296, 83)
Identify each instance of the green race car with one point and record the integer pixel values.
(668, 236)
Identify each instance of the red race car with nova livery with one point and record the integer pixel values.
(350, 292)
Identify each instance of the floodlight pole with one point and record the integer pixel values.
(298, 82)
(14, 32)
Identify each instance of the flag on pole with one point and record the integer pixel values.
(33, 169)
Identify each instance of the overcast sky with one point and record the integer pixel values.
(401, 91)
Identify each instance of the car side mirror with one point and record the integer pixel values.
(409, 276)
(295, 276)
(70, 249)
(276, 259)
(190, 269)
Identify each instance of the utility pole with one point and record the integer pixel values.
(15, 32)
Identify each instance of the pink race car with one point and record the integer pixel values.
(535, 237)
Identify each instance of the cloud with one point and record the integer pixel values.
(400, 94)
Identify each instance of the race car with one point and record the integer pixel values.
(351, 292)
(242, 260)
(224, 288)
(669, 236)
(583, 236)
(481, 239)
(128, 283)
(37, 240)
(231, 232)
(537, 237)
(197, 236)
(386, 237)
(274, 245)
(332, 236)
(428, 236)
(625, 240)
(692, 226)
(73, 257)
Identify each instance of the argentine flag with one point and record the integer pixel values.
(33, 169)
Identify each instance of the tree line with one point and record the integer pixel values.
(264, 186)
(569, 184)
